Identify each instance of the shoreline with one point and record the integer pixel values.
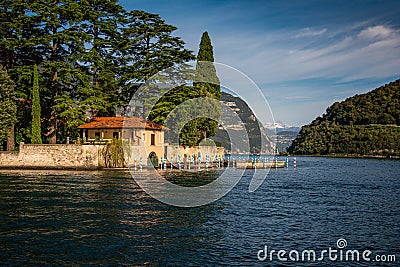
(348, 156)
(126, 169)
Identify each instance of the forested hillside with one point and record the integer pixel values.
(366, 124)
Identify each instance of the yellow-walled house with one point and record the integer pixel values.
(135, 130)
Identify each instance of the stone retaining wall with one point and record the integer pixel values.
(58, 156)
(74, 156)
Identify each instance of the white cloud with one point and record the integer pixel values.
(342, 55)
(309, 32)
(376, 32)
(360, 53)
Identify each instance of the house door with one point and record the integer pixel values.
(152, 160)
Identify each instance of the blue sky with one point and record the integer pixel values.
(304, 55)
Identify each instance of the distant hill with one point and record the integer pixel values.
(254, 128)
(284, 138)
(293, 129)
(278, 127)
(282, 133)
(362, 125)
(288, 133)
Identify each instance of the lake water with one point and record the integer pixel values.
(104, 218)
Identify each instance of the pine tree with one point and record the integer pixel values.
(8, 107)
(147, 47)
(102, 38)
(59, 43)
(36, 126)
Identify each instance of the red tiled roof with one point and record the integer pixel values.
(119, 123)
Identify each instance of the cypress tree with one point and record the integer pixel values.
(36, 127)
(207, 84)
(206, 74)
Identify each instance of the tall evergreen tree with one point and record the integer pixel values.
(93, 92)
(59, 43)
(36, 134)
(147, 47)
(17, 55)
(207, 84)
(8, 107)
(206, 75)
(100, 25)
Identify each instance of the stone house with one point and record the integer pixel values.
(136, 131)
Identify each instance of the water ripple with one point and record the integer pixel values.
(104, 218)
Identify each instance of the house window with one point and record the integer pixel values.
(97, 135)
(115, 135)
(153, 140)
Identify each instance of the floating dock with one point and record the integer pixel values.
(260, 165)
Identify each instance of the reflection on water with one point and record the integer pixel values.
(69, 218)
(191, 178)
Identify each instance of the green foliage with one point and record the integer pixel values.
(116, 154)
(380, 106)
(208, 85)
(8, 107)
(204, 91)
(367, 124)
(206, 75)
(89, 53)
(146, 47)
(187, 124)
(36, 134)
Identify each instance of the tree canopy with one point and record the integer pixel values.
(90, 55)
(206, 91)
(7, 104)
